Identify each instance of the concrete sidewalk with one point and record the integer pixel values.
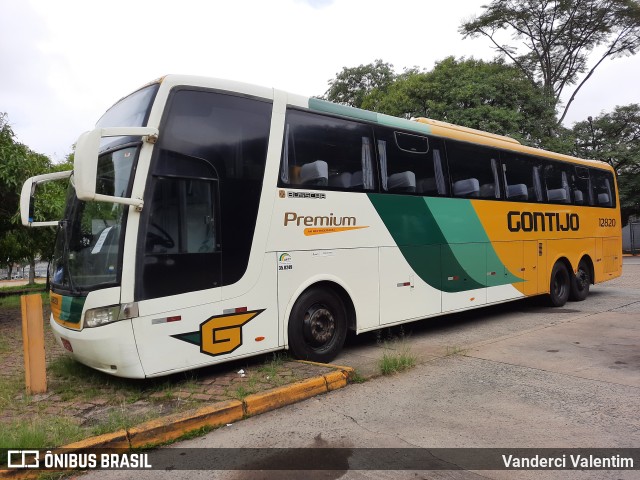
(595, 341)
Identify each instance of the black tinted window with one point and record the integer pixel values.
(321, 152)
(411, 163)
(603, 190)
(474, 170)
(580, 184)
(521, 178)
(556, 183)
(202, 201)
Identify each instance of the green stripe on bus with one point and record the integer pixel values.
(343, 110)
(395, 122)
(71, 310)
(442, 240)
(359, 114)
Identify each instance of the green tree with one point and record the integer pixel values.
(352, 84)
(552, 40)
(614, 137)
(490, 96)
(17, 163)
(12, 250)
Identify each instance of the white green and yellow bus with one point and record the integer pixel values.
(209, 220)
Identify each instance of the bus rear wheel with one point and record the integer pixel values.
(560, 285)
(317, 325)
(580, 283)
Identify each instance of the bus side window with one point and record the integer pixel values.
(411, 163)
(473, 170)
(603, 188)
(581, 186)
(556, 183)
(321, 152)
(181, 234)
(521, 178)
(201, 204)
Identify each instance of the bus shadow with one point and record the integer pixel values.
(446, 323)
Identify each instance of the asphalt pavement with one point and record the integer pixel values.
(515, 375)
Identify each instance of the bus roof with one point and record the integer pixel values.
(448, 130)
(419, 125)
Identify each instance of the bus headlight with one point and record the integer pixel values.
(96, 317)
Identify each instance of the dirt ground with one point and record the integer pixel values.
(99, 403)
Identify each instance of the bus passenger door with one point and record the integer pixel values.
(179, 279)
(404, 295)
(530, 265)
(543, 268)
(504, 269)
(464, 276)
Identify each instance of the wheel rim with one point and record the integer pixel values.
(560, 284)
(319, 326)
(582, 279)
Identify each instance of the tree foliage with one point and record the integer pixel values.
(500, 98)
(552, 40)
(351, 85)
(615, 138)
(17, 164)
(490, 96)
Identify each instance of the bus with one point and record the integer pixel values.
(208, 220)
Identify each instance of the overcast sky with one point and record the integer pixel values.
(64, 62)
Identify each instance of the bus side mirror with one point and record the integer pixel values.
(85, 165)
(27, 197)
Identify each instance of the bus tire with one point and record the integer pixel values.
(580, 283)
(317, 325)
(560, 285)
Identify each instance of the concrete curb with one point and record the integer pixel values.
(172, 427)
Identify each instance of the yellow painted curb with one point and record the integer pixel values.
(171, 427)
(117, 439)
(347, 370)
(174, 426)
(336, 380)
(279, 397)
(18, 474)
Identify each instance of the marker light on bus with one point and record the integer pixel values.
(97, 317)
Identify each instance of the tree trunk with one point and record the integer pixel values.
(32, 271)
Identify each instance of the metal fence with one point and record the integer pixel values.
(631, 236)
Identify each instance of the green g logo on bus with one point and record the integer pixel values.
(220, 334)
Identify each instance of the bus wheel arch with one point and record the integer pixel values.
(318, 322)
(582, 279)
(560, 282)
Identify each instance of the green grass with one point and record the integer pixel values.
(13, 301)
(39, 432)
(21, 288)
(356, 377)
(72, 381)
(10, 387)
(4, 346)
(268, 372)
(118, 419)
(455, 350)
(396, 358)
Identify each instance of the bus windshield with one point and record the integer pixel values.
(87, 251)
(88, 248)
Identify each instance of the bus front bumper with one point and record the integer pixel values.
(109, 348)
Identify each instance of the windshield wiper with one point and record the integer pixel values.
(65, 257)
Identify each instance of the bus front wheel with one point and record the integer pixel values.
(580, 283)
(317, 325)
(560, 285)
